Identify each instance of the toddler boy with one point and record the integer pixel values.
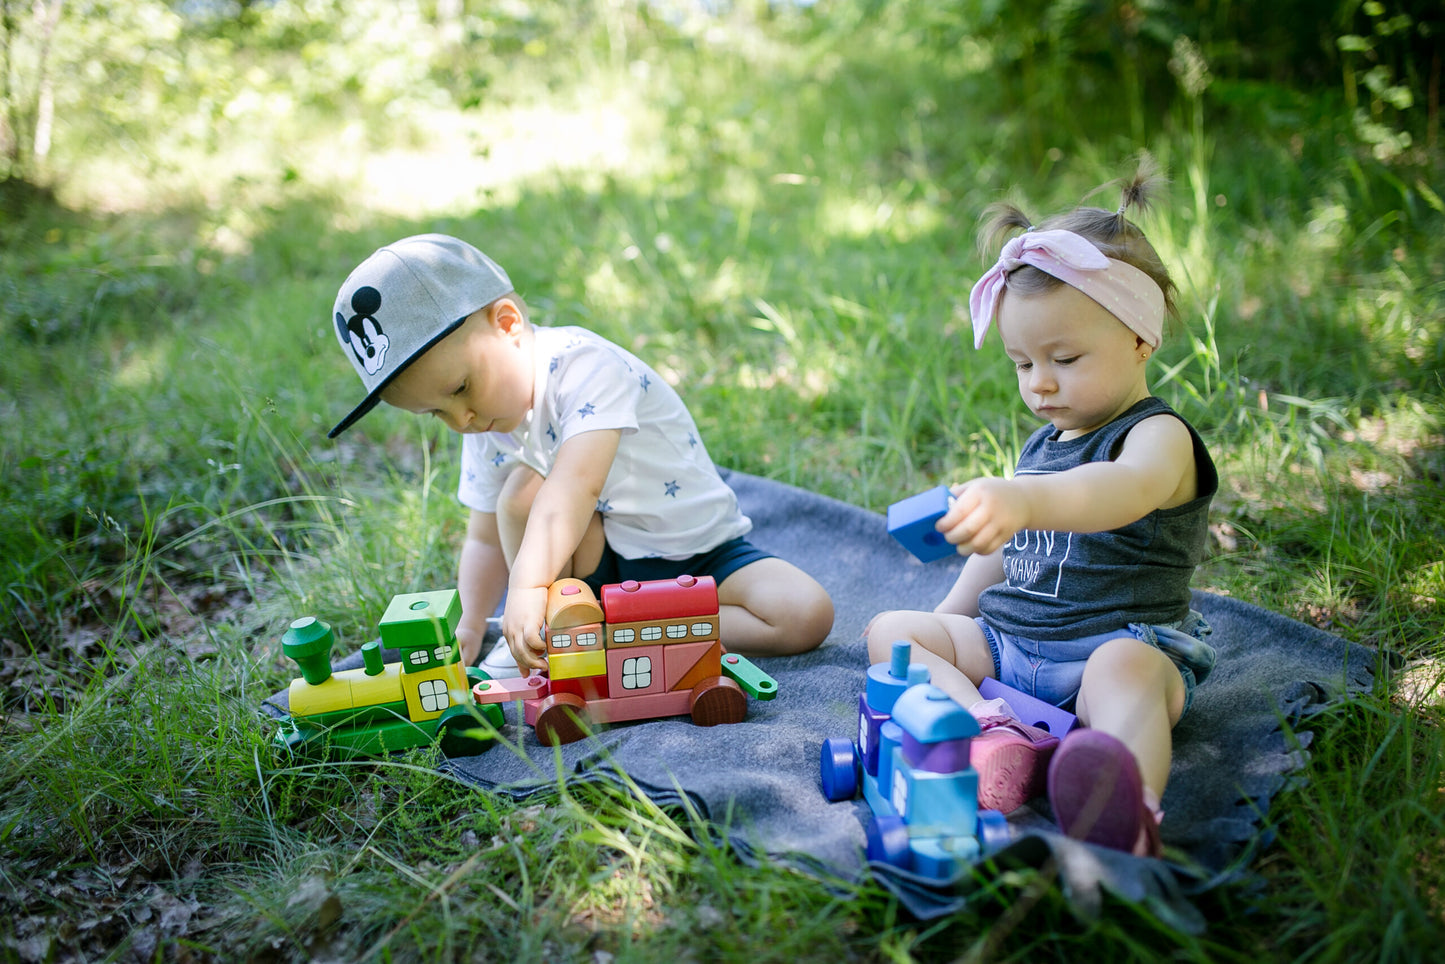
(577, 458)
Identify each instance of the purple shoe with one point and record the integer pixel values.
(1012, 761)
(1098, 795)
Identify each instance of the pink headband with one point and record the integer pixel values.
(1126, 292)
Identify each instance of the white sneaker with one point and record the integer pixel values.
(499, 663)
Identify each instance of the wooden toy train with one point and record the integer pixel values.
(911, 759)
(380, 707)
(644, 650)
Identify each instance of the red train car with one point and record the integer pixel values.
(644, 650)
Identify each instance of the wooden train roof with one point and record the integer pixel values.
(680, 598)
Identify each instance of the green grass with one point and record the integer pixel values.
(788, 231)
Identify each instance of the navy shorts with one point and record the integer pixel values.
(719, 562)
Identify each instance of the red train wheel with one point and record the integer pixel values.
(718, 700)
(560, 718)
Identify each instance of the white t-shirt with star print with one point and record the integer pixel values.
(663, 497)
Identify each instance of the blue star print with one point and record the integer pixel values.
(691, 440)
(586, 410)
(604, 506)
(555, 362)
(551, 432)
(671, 488)
(646, 382)
(498, 459)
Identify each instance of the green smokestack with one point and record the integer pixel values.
(308, 642)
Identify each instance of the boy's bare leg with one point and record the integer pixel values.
(772, 608)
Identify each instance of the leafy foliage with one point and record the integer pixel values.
(775, 204)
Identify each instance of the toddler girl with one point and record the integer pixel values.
(1076, 589)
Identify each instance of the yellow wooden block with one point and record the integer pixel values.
(577, 665)
(431, 691)
(346, 689)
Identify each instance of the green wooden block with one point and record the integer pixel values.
(746, 674)
(302, 739)
(422, 620)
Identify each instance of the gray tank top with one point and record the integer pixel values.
(1062, 585)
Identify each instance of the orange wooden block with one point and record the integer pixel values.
(686, 664)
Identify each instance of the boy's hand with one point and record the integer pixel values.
(984, 515)
(522, 627)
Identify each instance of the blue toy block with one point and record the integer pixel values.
(929, 715)
(935, 804)
(1030, 709)
(911, 762)
(912, 522)
(888, 681)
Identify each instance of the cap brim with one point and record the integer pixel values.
(371, 400)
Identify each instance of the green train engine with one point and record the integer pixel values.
(381, 707)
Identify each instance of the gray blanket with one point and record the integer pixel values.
(757, 782)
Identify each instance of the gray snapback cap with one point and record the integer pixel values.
(402, 300)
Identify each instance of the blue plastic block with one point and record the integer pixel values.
(912, 522)
(885, 684)
(929, 715)
(935, 804)
(838, 766)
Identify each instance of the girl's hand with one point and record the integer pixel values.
(522, 620)
(985, 514)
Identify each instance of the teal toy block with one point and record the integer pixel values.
(935, 804)
(930, 715)
(422, 620)
(912, 522)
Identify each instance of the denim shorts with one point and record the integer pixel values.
(1052, 670)
(719, 562)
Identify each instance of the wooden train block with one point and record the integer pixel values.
(660, 599)
(422, 620)
(589, 688)
(635, 671)
(684, 665)
(509, 690)
(572, 639)
(577, 665)
(571, 602)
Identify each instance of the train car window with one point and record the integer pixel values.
(637, 673)
(702, 629)
(433, 693)
(586, 639)
(900, 792)
(677, 632)
(419, 657)
(560, 640)
(441, 653)
(651, 632)
(623, 635)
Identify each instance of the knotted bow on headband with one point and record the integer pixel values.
(1122, 289)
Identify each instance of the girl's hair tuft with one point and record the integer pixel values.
(1110, 231)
